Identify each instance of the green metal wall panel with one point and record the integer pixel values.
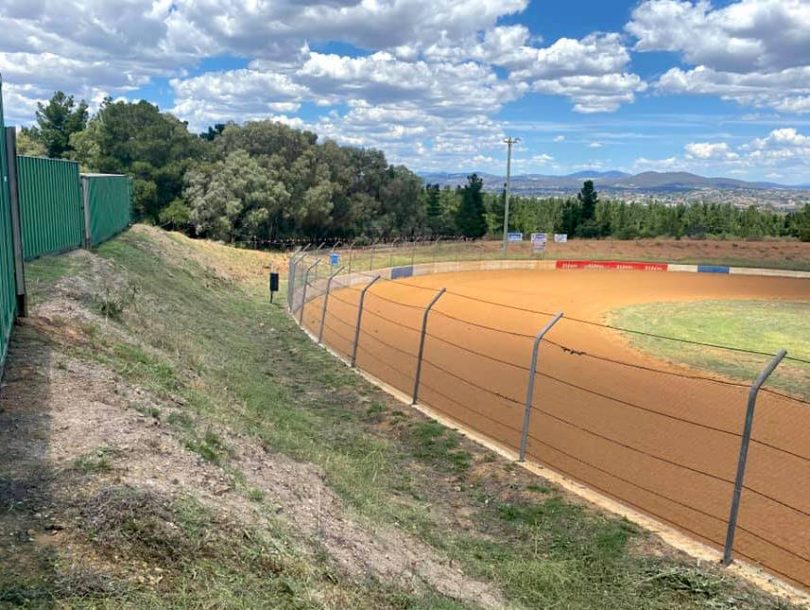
(50, 206)
(8, 288)
(109, 201)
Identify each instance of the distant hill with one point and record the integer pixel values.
(594, 174)
(607, 180)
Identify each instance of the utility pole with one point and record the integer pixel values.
(508, 142)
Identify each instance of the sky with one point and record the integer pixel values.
(717, 88)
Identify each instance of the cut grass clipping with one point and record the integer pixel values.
(761, 326)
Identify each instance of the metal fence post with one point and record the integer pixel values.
(413, 250)
(371, 261)
(436, 249)
(16, 227)
(291, 275)
(746, 439)
(360, 319)
(291, 281)
(524, 436)
(351, 250)
(393, 247)
(304, 290)
(422, 344)
(325, 302)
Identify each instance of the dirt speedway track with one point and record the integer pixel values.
(657, 436)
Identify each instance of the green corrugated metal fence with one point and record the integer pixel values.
(108, 205)
(8, 287)
(50, 206)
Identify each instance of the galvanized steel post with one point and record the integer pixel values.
(422, 344)
(524, 436)
(325, 302)
(393, 247)
(16, 227)
(413, 250)
(351, 249)
(291, 282)
(746, 439)
(360, 319)
(304, 290)
(436, 248)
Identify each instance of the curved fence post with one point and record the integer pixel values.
(291, 275)
(304, 290)
(422, 344)
(300, 254)
(524, 436)
(393, 247)
(746, 439)
(360, 319)
(351, 250)
(413, 249)
(325, 302)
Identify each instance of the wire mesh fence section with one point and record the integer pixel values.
(651, 428)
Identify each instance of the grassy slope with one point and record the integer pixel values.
(234, 362)
(764, 326)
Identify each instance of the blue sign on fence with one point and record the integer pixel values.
(514, 236)
(334, 259)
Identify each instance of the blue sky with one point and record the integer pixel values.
(717, 88)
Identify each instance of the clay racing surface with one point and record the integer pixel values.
(658, 436)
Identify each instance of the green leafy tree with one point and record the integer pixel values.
(57, 121)
(235, 199)
(136, 139)
(29, 144)
(470, 218)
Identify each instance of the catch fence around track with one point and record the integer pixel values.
(664, 439)
(47, 207)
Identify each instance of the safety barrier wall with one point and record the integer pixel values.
(44, 210)
(664, 441)
(107, 205)
(50, 206)
(8, 284)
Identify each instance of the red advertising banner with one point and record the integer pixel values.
(615, 265)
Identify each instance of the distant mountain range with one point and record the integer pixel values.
(610, 180)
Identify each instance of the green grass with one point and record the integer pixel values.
(238, 363)
(762, 326)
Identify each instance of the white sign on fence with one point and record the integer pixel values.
(514, 236)
(539, 241)
(560, 238)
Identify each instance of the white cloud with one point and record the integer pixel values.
(381, 78)
(785, 150)
(660, 165)
(708, 150)
(755, 52)
(560, 138)
(592, 94)
(595, 145)
(787, 90)
(748, 35)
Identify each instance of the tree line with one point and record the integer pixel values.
(265, 181)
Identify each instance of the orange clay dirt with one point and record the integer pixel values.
(657, 436)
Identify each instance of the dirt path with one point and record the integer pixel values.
(659, 441)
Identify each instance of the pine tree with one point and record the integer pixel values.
(434, 206)
(588, 197)
(470, 219)
(57, 121)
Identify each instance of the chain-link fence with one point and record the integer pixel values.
(658, 434)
